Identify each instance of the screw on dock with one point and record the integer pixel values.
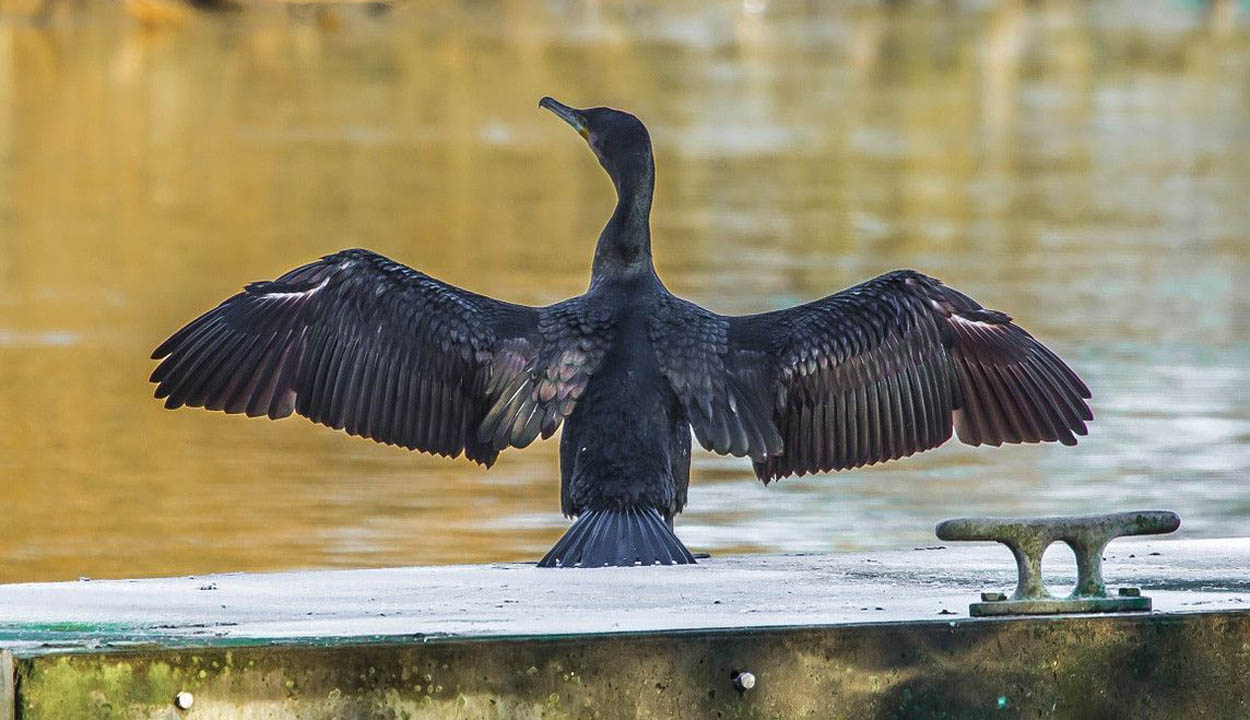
(743, 681)
(1087, 535)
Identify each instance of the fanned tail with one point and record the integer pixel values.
(633, 536)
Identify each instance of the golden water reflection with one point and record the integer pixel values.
(1084, 168)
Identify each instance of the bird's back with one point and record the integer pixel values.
(619, 437)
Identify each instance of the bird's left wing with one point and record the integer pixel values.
(359, 342)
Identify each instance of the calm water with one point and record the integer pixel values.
(1086, 169)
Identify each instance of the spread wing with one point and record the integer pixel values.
(724, 388)
(358, 342)
(876, 372)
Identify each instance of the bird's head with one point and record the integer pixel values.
(618, 139)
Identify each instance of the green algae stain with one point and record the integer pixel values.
(69, 688)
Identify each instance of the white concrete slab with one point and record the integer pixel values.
(929, 584)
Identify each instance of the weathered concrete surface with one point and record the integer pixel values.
(878, 636)
(494, 600)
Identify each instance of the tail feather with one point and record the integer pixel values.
(633, 536)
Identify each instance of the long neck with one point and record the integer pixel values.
(624, 248)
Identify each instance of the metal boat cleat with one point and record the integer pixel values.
(1087, 535)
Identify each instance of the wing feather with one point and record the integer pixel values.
(887, 369)
(730, 412)
(360, 343)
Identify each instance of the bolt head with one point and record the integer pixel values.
(1130, 592)
(184, 700)
(993, 597)
(744, 680)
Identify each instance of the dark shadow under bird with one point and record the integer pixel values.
(876, 372)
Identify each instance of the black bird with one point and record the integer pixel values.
(876, 372)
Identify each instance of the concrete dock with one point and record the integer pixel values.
(885, 635)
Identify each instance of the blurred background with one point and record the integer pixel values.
(1082, 166)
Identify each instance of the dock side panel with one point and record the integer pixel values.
(1145, 666)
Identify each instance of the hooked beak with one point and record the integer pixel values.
(572, 116)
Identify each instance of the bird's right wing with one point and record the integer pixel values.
(889, 367)
(875, 372)
(358, 342)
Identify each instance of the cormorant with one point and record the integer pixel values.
(876, 372)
